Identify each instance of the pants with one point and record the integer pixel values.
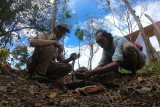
(40, 63)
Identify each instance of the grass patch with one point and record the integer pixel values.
(153, 67)
(151, 71)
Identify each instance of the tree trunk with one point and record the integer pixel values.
(150, 49)
(90, 57)
(79, 46)
(54, 15)
(156, 28)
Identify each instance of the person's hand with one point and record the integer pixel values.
(82, 70)
(59, 46)
(83, 73)
(83, 76)
(74, 56)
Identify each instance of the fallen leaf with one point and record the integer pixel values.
(146, 89)
(140, 79)
(31, 86)
(14, 91)
(5, 68)
(4, 102)
(89, 89)
(31, 89)
(38, 104)
(53, 94)
(3, 88)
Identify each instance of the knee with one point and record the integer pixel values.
(68, 67)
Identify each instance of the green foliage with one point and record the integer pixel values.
(80, 34)
(152, 67)
(67, 14)
(152, 70)
(20, 53)
(27, 14)
(3, 55)
(8, 13)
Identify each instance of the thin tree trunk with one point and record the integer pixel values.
(156, 28)
(150, 49)
(90, 57)
(79, 53)
(54, 15)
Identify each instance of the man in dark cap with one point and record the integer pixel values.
(47, 61)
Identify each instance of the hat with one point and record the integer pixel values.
(63, 25)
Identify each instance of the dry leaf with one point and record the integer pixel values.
(5, 68)
(38, 104)
(3, 88)
(53, 94)
(31, 89)
(140, 79)
(146, 89)
(14, 91)
(90, 89)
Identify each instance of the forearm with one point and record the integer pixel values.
(41, 43)
(67, 60)
(109, 67)
(62, 59)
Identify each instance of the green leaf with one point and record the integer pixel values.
(80, 34)
(3, 55)
(67, 14)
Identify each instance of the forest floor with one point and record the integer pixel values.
(122, 91)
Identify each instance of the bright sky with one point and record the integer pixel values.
(85, 9)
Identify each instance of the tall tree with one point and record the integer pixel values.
(54, 15)
(89, 29)
(20, 55)
(150, 50)
(8, 11)
(123, 20)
